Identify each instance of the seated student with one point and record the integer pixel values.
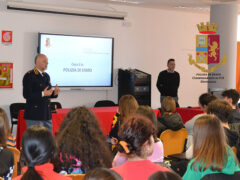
(157, 155)
(223, 110)
(6, 155)
(211, 154)
(127, 106)
(102, 174)
(81, 145)
(37, 149)
(164, 175)
(232, 97)
(136, 140)
(11, 140)
(203, 101)
(169, 119)
(67, 119)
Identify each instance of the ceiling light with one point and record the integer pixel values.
(193, 8)
(127, 1)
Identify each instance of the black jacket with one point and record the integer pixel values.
(37, 107)
(233, 140)
(173, 122)
(6, 161)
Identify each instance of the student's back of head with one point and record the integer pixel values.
(148, 112)
(82, 140)
(102, 174)
(168, 105)
(134, 132)
(210, 151)
(164, 175)
(221, 109)
(210, 147)
(137, 143)
(127, 106)
(205, 98)
(37, 148)
(231, 94)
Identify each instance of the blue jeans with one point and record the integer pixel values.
(45, 123)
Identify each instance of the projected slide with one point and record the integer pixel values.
(78, 61)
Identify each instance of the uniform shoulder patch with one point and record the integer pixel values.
(36, 71)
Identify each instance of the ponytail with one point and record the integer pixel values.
(30, 174)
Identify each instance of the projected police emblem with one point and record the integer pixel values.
(47, 43)
(207, 49)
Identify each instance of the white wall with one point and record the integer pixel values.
(154, 36)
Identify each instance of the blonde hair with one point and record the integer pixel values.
(168, 105)
(6, 122)
(127, 106)
(209, 144)
(3, 135)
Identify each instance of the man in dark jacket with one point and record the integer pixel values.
(168, 82)
(37, 90)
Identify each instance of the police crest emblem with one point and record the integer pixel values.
(207, 48)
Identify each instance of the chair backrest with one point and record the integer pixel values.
(16, 154)
(75, 176)
(15, 108)
(234, 149)
(56, 105)
(221, 176)
(173, 141)
(104, 103)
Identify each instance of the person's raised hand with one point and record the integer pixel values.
(56, 90)
(47, 92)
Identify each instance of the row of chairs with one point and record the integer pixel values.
(16, 107)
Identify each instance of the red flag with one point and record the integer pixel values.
(213, 49)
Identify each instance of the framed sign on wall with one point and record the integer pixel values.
(6, 75)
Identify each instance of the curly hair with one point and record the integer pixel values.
(67, 119)
(135, 132)
(83, 139)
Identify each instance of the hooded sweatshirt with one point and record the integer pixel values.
(172, 121)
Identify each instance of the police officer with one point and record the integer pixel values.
(37, 90)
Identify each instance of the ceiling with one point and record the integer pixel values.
(166, 3)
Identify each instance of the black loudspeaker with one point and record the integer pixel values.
(136, 83)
